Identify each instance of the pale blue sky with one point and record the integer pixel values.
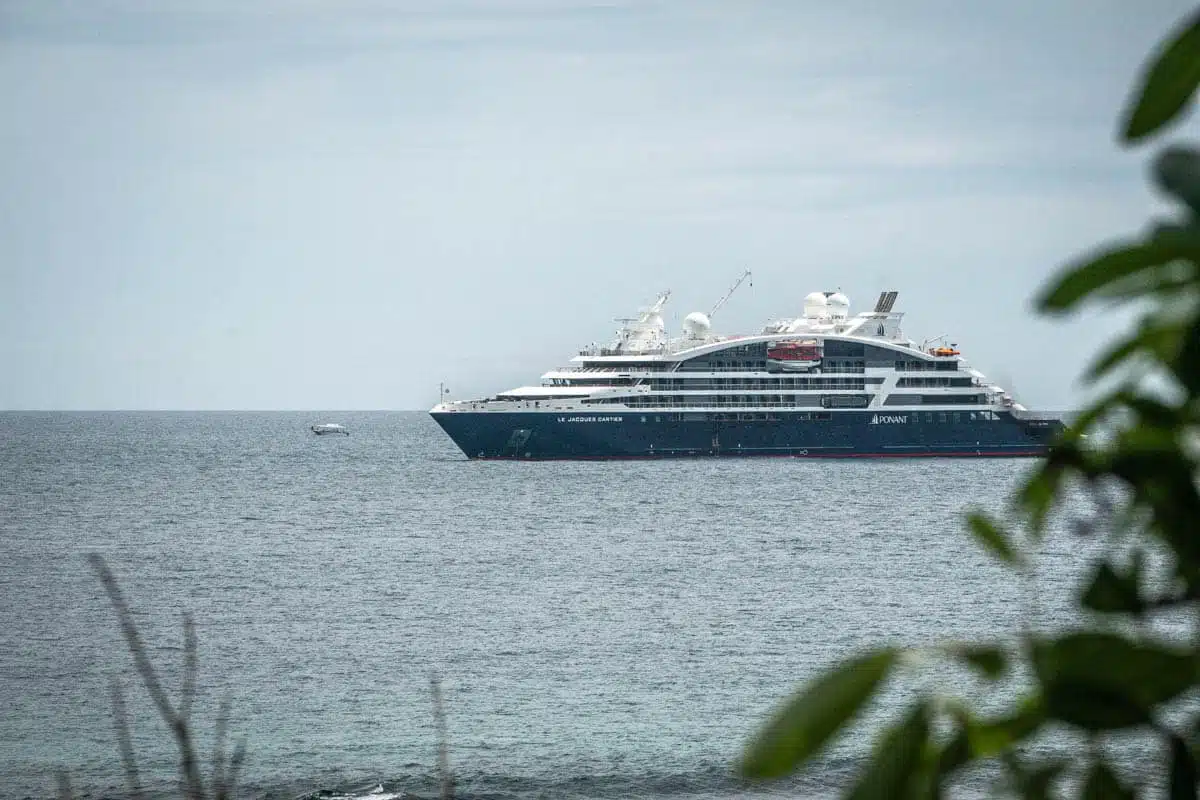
(337, 204)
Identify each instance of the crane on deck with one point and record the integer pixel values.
(732, 289)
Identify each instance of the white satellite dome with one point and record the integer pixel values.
(815, 305)
(696, 325)
(839, 305)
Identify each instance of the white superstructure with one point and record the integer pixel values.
(824, 360)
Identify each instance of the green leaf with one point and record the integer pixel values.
(992, 537)
(1068, 453)
(955, 754)
(1157, 414)
(926, 781)
(1111, 592)
(1102, 784)
(1159, 341)
(994, 736)
(1037, 782)
(1176, 170)
(1094, 708)
(1078, 281)
(1032, 783)
(991, 661)
(1183, 771)
(1101, 681)
(1163, 282)
(1038, 493)
(1168, 84)
(807, 721)
(1187, 365)
(897, 754)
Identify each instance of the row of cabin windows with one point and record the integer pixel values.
(833, 365)
(928, 417)
(770, 382)
(953, 416)
(838, 356)
(784, 400)
(591, 382)
(927, 366)
(737, 401)
(704, 365)
(746, 416)
(856, 366)
(629, 366)
(660, 384)
(761, 383)
(915, 417)
(935, 399)
(908, 383)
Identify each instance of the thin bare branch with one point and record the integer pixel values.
(439, 717)
(64, 785)
(133, 639)
(220, 791)
(189, 764)
(190, 660)
(124, 741)
(235, 767)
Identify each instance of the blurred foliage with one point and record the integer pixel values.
(1137, 443)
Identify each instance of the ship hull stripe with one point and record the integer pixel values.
(634, 435)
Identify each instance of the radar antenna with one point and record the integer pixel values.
(732, 289)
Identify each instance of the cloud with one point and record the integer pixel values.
(182, 184)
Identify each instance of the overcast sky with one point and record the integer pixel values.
(336, 204)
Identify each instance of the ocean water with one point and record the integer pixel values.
(611, 629)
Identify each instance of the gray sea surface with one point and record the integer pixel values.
(601, 629)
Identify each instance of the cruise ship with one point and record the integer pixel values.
(824, 384)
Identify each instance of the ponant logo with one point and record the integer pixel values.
(887, 419)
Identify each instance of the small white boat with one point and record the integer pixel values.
(329, 427)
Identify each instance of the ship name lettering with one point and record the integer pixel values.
(591, 419)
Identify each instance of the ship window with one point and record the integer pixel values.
(941, 416)
(929, 416)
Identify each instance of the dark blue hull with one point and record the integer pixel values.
(841, 434)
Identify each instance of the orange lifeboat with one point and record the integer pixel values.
(945, 351)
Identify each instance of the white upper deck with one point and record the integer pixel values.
(644, 337)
